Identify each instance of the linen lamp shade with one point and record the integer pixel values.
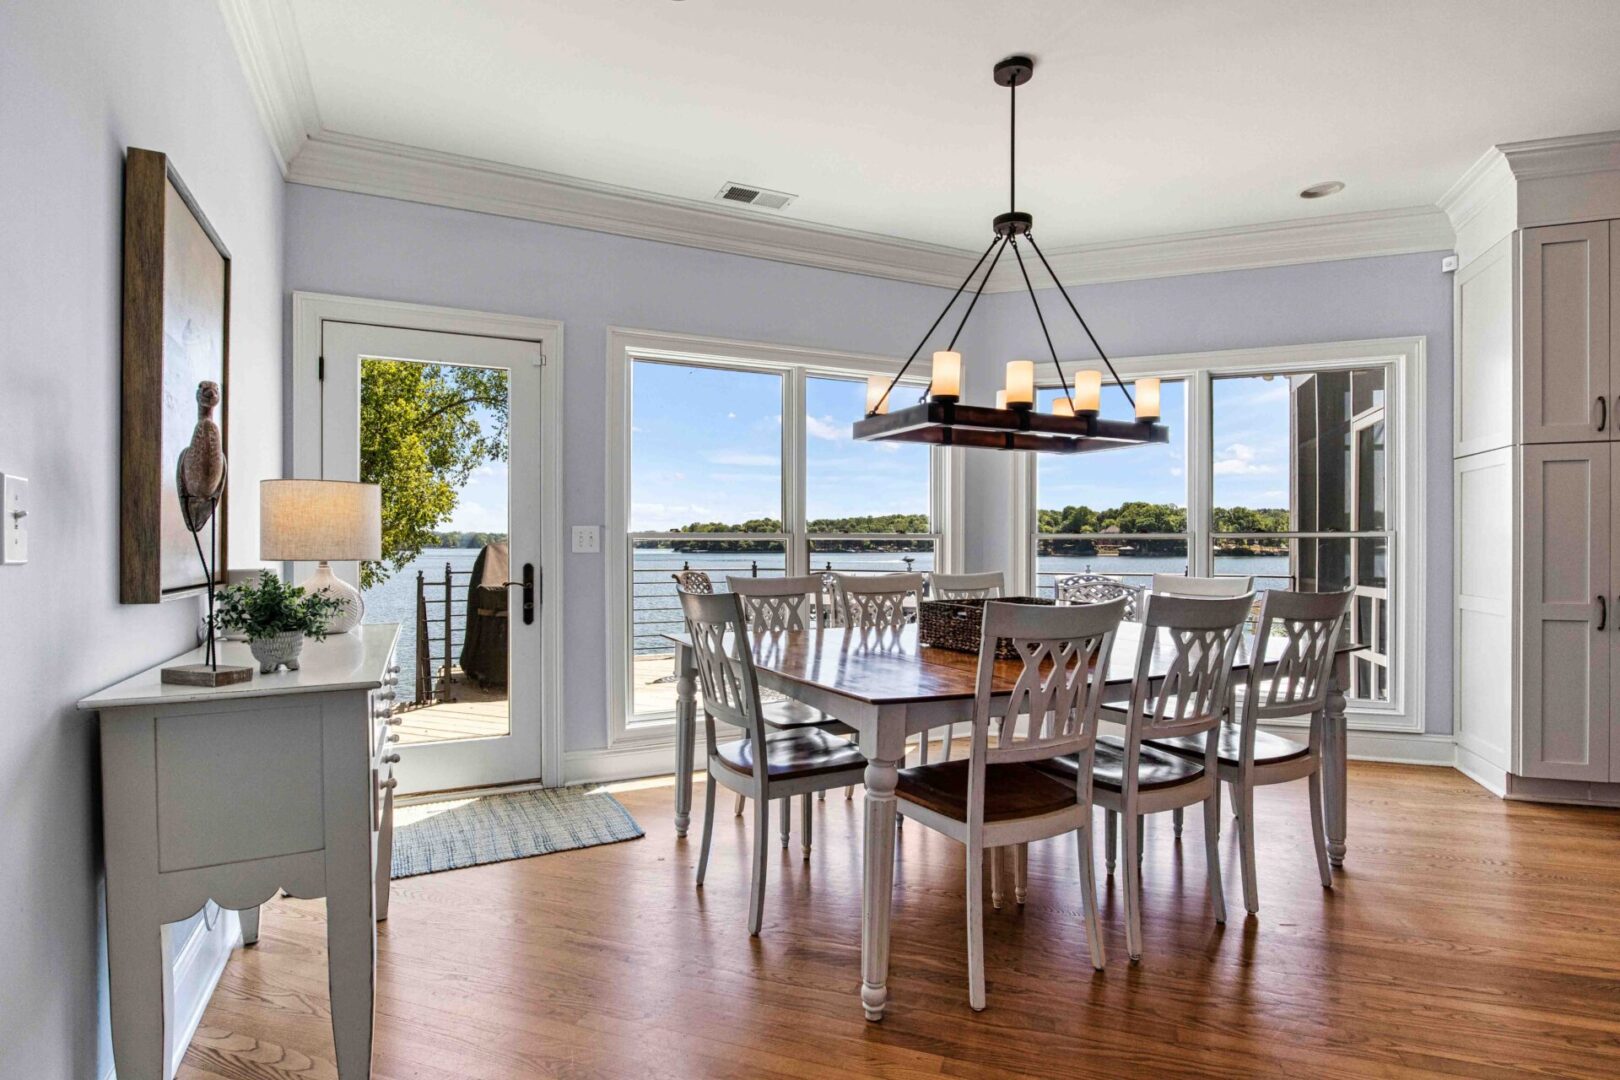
(323, 521)
(319, 520)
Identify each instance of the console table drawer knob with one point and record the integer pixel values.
(387, 785)
(393, 721)
(394, 737)
(391, 759)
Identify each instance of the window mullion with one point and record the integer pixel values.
(1200, 474)
(794, 454)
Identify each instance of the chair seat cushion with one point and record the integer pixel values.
(793, 754)
(1154, 769)
(787, 714)
(1268, 748)
(1010, 791)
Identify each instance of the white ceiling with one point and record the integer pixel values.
(880, 115)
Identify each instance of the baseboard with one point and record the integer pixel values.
(195, 972)
(1490, 777)
(1564, 792)
(1402, 747)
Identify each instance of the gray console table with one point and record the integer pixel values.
(229, 794)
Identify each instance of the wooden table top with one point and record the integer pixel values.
(890, 667)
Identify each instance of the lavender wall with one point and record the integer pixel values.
(1395, 296)
(367, 246)
(81, 80)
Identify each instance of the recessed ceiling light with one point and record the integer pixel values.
(1322, 190)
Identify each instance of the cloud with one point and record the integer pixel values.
(731, 416)
(1238, 459)
(825, 427)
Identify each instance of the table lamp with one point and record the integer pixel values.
(322, 521)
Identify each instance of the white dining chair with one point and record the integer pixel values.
(1098, 589)
(774, 605)
(878, 601)
(1204, 587)
(998, 797)
(1195, 641)
(1304, 627)
(760, 765)
(983, 586)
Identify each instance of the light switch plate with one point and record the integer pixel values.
(587, 539)
(14, 519)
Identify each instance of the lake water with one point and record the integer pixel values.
(657, 609)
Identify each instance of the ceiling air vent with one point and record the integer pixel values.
(754, 196)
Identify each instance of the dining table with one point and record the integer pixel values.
(888, 686)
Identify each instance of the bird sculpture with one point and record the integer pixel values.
(200, 472)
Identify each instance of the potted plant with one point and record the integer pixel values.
(276, 617)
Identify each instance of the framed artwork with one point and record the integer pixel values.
(177, 313)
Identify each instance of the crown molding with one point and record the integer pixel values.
(372, 167)
(1247, 247)
(1518, 185)
(265, 36)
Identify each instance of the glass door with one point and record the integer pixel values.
(448, 426)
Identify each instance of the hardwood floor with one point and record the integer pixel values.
(1466, 937)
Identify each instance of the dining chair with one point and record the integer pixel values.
(998, 796)
(775, 605)
(761, 766)
(693, 581)
(966, 586)
(1202, 587)
(1097, 589)
(878, 601)
(832, 614)
(1196, 640)
(1306, 626)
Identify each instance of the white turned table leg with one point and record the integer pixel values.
(385, 855)
(685, 735)
(1335, 763)
(877, 886)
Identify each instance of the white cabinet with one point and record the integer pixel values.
(1568, 610)
(1567, 385)
(1537, 511)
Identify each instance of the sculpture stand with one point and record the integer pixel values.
(209, 672)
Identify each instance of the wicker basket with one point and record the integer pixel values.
(959, 624)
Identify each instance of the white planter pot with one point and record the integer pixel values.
(274, 652)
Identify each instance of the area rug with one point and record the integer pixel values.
(430, 837)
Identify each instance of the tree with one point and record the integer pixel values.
(424, 428)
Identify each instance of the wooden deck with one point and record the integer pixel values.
(455, 720)
(1467, 936)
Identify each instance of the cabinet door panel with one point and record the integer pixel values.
(1568, 621)
(1566, 377)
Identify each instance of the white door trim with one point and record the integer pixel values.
(310, 310)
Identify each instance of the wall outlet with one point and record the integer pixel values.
(587, 539)
(13, 519)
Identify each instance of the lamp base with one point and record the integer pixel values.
(353, 610)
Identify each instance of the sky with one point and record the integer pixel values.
(706, 446)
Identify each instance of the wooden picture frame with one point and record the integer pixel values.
(176, 333)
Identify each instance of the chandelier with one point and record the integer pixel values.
(1073, 425)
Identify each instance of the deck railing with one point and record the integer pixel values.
(441, 627)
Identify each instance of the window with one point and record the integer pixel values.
(1284, 465)
(742, 464)
(1119, 513)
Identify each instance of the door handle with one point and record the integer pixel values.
(528, 592)
(1603, 611)
(1603, 412)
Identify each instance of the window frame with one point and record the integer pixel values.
(794, 365)
(1405, 430)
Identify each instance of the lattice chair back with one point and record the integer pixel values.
(693, 581)
(1300, 630)
(1052, 710)
(1201, 637)
(1096, 589)
(725, 663)
(966, 586)
(877, 601)
(777, 604)
(832, 610)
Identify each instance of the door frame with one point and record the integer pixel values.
(310, 310)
